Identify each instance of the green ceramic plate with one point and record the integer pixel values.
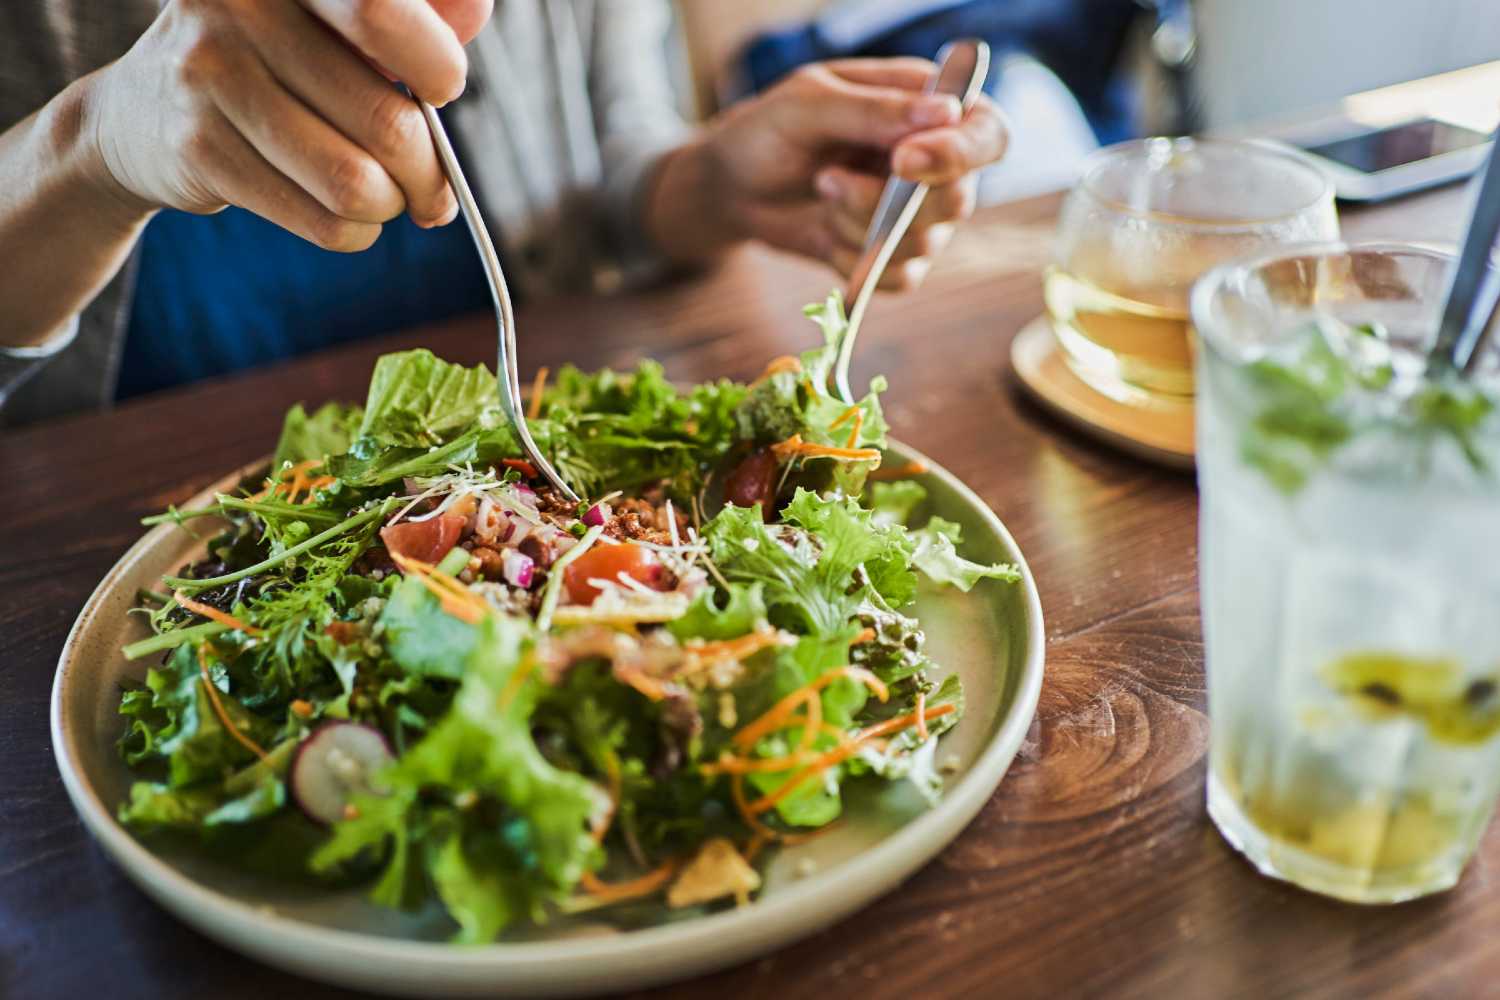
(993, 637)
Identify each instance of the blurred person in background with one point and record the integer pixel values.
(175, 180)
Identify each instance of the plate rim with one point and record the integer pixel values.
(635, 958)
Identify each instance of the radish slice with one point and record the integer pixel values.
(334, 764)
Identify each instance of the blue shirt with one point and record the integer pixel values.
(218, 293)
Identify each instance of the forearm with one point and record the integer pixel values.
(688, 211)
(65, 230)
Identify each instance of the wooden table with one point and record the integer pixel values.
(1092, 870)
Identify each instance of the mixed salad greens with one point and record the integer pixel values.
(407, 662)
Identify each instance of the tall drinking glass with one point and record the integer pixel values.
(1350, 546)
(1146, 220)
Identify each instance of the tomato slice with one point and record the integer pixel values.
(425, 541)
(607, 562)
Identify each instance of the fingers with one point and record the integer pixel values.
(904, 72)
(850, 199)
(344, 179)
(943, 155)
(899, 276)
(409, 38)
(465, 17)
(375, 116)
(241, 176)
(821, 107)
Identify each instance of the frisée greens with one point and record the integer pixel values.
(556, 707)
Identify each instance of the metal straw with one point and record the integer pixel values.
(1474, 286)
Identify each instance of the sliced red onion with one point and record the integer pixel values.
(334, 764)
(525, 491)
(517, 568)
(597, 515)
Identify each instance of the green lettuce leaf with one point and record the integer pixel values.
(743, 610)
(173, 720)
(894, 502)
(799, 402)
(422, 638)
(419, 400)
(936, 555)
(327, 431)
(535, 846)
(853, 538)
(608, 431)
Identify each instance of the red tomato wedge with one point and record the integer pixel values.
(607, 562)
(426, 541)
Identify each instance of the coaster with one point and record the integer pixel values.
(1157, 430)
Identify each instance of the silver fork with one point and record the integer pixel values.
(962, 67)
(505, 367)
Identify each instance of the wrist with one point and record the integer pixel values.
(694, 213)
(72, 127)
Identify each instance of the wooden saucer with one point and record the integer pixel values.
(1157, 430)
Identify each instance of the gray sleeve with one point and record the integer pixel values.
(18, 364)
(636, 115)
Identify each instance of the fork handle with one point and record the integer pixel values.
(962, 68)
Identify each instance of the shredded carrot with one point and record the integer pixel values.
(218, 706)
(812, 726)
(844, 417)
(842, 753)
(900, 471)
(535, 408)
(704, 653)
(854, 432)
(775, 717)
(648, 686)
(758, 829)
(795, 446)
(619, 892)
(865, 635)
(214, 614)
(921, 713)
(318, 483)
(517, 678)
(785, 363)
(754, 847)
(300, 708)
(730, 764)
(522, 466)
(454, 598)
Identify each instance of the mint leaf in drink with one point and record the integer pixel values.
(1456, 410)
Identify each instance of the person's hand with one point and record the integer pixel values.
(802, 166)
(278, 106)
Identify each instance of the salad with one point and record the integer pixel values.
(407, 663)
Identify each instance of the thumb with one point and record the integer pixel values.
(465, 17)
(817, 106)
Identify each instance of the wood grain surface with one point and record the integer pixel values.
(1092, 871)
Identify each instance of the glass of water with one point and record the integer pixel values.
(1145, 221)
(1350, 546)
